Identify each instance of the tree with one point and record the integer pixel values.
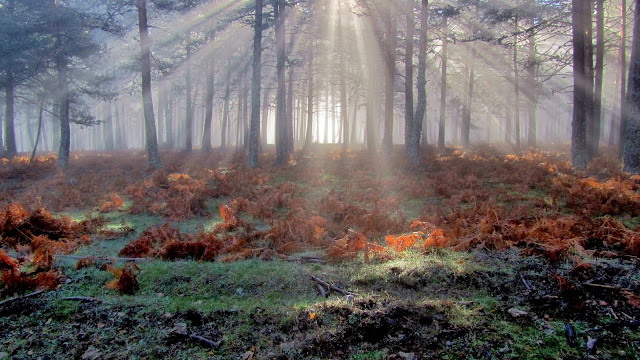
(443, 82)
(281, 105)
(421, 108)
(254, 129)
(147, 99)
(632, 104)
(579, 155)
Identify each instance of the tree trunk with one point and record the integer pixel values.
(225, 114)
(39, 132)
(421, 108)
(409, 116)
(108, 127)
(169, 120)
(579, 156)
(309, 136)
(189, 108)
(9, 127)
(590, 127)
(516, 84)
(599, 74)
(281, 105)
(2, 148)
(508, 126)
(632, 107)
(147, 99)
(623, 77)
(245, 114)
(266, 105)
(344, 108)
(443, 85)
(208, 117)
(533, 88)
(390, 57)
(290, 111)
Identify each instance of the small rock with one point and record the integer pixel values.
(591, 345)
(516, 313)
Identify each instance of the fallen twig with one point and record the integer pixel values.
(609, 287)
(323, 292)
(525, 282)
(35, 293)
(198, 338)
(103, 258)
(331, 287)
(81, 298)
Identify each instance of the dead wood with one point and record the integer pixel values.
(81, 298)
(36, 293)
(331, 287)
(198, 339)
(609, 287)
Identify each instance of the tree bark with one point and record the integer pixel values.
(421, 108)
(632, 105)
(290, 111)
(189, 108)
(623, 77)
(108, 126)
(409, 116)
(579, 155)
(39, 131)
(532, 91)
(281, 105)
(599, 75)
(516, 83)
(225, 114)
(147, 99)
(389, 94)
(309, 136)
(208, 117)
(9, 126)
(443, 85)
(344, 108)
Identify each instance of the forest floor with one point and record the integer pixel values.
(337, 255)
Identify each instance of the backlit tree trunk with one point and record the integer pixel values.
(389, 86)
(632, 105)
(147, 99)
(254, 126)
(421, 108)
(281, 105)
(443, 85)
(579, 155)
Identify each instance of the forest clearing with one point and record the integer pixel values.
(319, 179)
(480, 255)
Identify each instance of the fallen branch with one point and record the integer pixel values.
(36, 293)
(608, 287)
(198, 338)
(102, 258)
(331, 287)
(81, 298)
(323, 292)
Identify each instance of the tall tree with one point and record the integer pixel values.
(579, 155)
(599, 75)
(421, 108)
(281, 105)
(632, 105)
(623, 77)
(443, 81)
(188, 140)
(254, 127)
(409, 119)
(147, 98)
(208, 117)
(391, 26)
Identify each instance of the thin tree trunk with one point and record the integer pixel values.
(208, 117)
(443, 85)
(632, 109)
(533, 87)
(309, 136)
(9, 126)
(623, 77)
(579, 156)
(169, 112)
(409, 126)
(189, 109)
(516, 83)
(421, 108)
(225, 115)
(599, 74)
(290, 111)
(281, 105)
(35, 145)
(590, 127)
(147, 99)
(108, 126)
(390, 49)
(266, 105)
